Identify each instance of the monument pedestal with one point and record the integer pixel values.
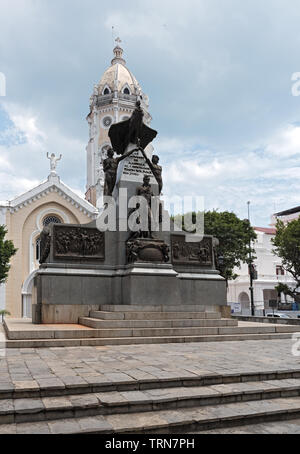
(84, 268)
(76, 279)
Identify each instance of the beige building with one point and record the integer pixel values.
(25, 217)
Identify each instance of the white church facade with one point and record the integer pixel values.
(113, 100)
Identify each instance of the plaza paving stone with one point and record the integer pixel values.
(58, 368)
(291, 427)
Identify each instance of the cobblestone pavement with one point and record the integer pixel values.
(42, 367)
(279, 428)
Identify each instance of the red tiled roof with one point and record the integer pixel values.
(267, 230)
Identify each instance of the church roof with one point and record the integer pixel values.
(52, 184)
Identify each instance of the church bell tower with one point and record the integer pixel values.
(113, 100)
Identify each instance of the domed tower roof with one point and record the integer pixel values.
(118, 81)
(117, 77)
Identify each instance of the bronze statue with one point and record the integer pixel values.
(135, 125)
(129, 131)
(110, 167)
(155, 168)
(146, 191)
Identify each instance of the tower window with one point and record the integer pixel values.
(126, 91)
(106, 91)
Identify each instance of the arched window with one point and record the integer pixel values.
(51, 219)
(38, 248)
(126, 90)
(106, 91)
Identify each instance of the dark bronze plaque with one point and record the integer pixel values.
(199, 253)
(74, 242)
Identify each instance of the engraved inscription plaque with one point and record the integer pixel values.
(135, 166)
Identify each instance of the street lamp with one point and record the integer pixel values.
(251, 268)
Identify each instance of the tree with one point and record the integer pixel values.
(7, 250)
(234, 235)
(3, 313)
(287, 247)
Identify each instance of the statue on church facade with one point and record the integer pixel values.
(110, 168)
(53, 162)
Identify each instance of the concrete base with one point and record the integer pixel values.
(65, 293)
(59, 313)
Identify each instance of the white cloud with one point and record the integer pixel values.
(25, 124)
(25, 164)
(286, 143)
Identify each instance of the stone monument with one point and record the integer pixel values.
(83, 267)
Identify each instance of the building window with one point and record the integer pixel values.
(51, 219)
(280, 271)
(126, 91)
(38, 248)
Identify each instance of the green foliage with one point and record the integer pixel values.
(287, 247)
(234, 235)
(3, 313)
(7, 250)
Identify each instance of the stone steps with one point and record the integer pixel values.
(168, 421)
(158, 308)
(161, 332)
(180, 328)
(168, 410)
(94, 341)
(106, 315)
(203, 323)
(120, 402)
(168, 380)
(131, 325)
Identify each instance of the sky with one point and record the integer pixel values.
(218, 74)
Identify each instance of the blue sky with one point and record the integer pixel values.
(218, 74)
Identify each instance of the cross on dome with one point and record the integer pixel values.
(118, 51)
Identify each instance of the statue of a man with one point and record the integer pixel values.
(110, 167)
(53, 161)
(146, 191)
(155, 168)
(135, 125)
